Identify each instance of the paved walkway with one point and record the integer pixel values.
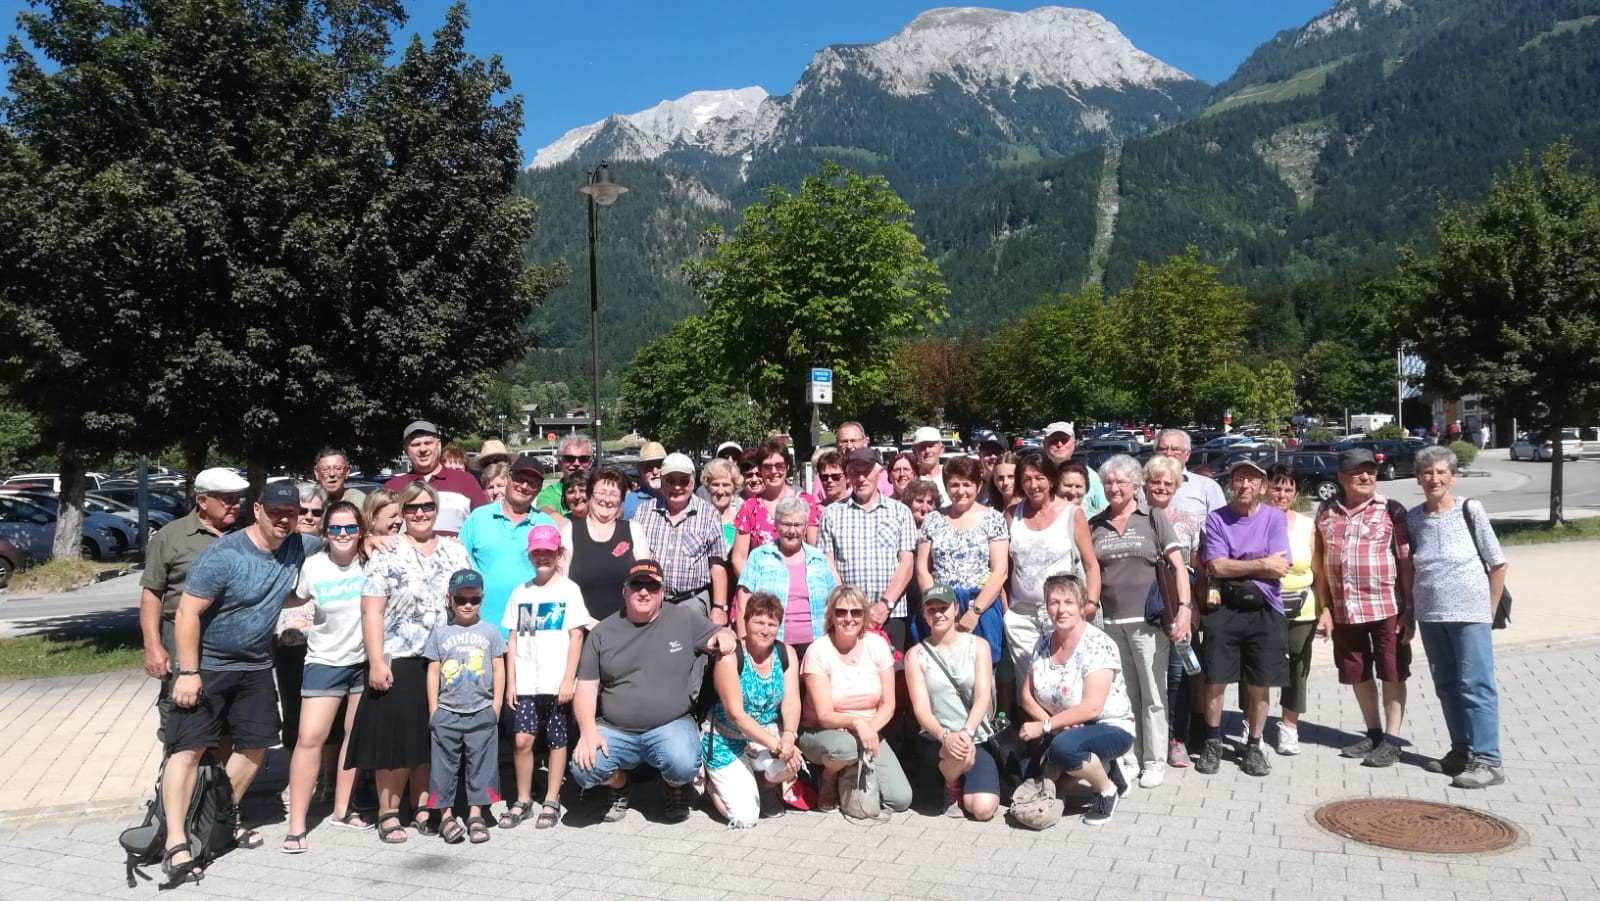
(85, 744)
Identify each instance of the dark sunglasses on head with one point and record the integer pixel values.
(467, 599)
(428, 507)
(350, 529)
(575, 458)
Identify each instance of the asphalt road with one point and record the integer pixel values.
(1508, 490)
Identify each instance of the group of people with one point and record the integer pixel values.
(776, 648)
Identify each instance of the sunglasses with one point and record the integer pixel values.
(830, 476)
(647, 586)
(310, 511)
(428, 507)
(575, 458)
(467, 599)
(350, 529)
(848, 613)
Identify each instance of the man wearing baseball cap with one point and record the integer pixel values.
(1060, 443)
(231, 600)
(218, 492)
(632, 702)
(496, 536)
(459, 491)
(1247, 637)
(1361, 571)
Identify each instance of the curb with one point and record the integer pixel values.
(105, 807)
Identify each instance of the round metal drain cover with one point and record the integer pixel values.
(1407, 825)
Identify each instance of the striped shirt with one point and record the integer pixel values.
(686, 548)
(865, 544)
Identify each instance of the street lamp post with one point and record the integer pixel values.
(600, 191)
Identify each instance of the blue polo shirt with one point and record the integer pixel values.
(498, 549)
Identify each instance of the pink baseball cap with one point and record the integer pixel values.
(544, 537)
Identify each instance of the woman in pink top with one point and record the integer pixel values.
(755, 522)
(849, 699)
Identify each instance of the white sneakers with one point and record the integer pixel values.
(1152, 777)
(1288, 740)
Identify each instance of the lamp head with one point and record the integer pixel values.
(601, 188)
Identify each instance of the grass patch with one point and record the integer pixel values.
(1565, 26)
(860, 156)
(1544, 533)
(1017, 155)
(58, 575)
(1300, 84)
(44, 655)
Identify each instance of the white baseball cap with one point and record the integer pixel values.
(927, 435)
(677, 463)
(219, 480)
(1064, 428)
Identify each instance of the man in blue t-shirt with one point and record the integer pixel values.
(235, 590)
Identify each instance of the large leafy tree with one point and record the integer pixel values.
(830, 276)
(234, 223)
(1509, 304)
(669, 394)
(1054, 363)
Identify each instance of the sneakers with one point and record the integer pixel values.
(1362, 748)
(1152, 776)
(1384, 755)
(618, 808)
(1114, 773)
(952, 801)
(1288, 740)
(1255, 762)
(772, 805)
(1210, 758)
(1100, 810)
(1177, 754)
(1479, 775)
(677, 803)
(1452, 764)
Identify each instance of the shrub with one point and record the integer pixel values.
(1390, 431)
(1466, 452)
(1320, 436)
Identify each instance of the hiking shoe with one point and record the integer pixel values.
(618, 808)
(1114, 773)
(1100, 810)
(1288, 740)
(1177, 754)
(1452, 764)
(771, 805)
(952, 802)
(1210, 758)
(1255, 762)
(1384, 755)
(1479, 775)
(677, 803)
(1362, 748)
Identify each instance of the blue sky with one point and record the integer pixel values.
(577, 62)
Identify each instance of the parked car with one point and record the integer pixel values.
(100, 503)
(1317, 473)
(12, 560)
(1395, 457)
(1222, 442)
(32, 528)
(1111, 445)
(163, 500)
(1529, 448)
(52, 480)
(1217, 467)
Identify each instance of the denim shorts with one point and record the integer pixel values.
(323, 681)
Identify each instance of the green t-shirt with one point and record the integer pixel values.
(552, 496)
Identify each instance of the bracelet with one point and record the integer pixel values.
(884, 601)
(188, 672)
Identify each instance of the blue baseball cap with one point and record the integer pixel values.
(465, 578)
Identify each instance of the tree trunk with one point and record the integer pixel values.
(196, 453)
(69, 539)
(1557, 515)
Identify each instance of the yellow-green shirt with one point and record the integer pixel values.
(1302, 532)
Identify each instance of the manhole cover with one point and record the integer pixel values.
(1406, 825)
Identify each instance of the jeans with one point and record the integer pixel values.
(1461, 658)
(1070, 748)
(673, 748)
(1179, 697)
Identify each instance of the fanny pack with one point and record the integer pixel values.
(1294, 602)
(1243, 595)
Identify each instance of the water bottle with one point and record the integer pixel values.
(1191, 662)
(1000, 721)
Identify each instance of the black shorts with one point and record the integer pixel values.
(540, 714)
(240, 703)
(1252, 646)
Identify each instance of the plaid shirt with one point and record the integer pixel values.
(1361, 552)
(685, 548)
(865, 544)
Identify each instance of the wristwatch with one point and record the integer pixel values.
(884, 601)
(1046, 727)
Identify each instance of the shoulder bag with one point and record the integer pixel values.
(1502, 605)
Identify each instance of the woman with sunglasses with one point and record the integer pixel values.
(336, 670)
(756, 520)
(402, 600)
(604, 545)
(848, 700)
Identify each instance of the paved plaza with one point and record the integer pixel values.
(78, 752)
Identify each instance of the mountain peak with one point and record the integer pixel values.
(698, 117)
(1345, 14)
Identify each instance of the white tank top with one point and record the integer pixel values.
(1038, 554)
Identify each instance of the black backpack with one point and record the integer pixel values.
(208, 824)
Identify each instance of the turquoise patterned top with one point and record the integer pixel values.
(762, 699)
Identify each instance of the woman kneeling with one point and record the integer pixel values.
(950, 677)
(751, 749)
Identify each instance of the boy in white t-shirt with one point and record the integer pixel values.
(547, 620)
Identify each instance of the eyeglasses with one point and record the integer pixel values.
(830, 476)
(428, 507)
(651, 587)
(332, 470)
(576, 458)
(848, 613)
(466, 599)
(310, 511)
(226, 500)
(774, 467)
(351, 529)
(791, 527)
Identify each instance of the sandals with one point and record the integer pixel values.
(451, 831)
(191, 871)
(244, 836)
(351, 820)
(477, 830)
(549, 814)
(516, 812)
(294, 843)
(426, 822)
(391, 835)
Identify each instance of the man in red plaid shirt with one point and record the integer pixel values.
(1361, 564)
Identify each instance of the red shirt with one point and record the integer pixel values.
(459, 494)
(1361, 551)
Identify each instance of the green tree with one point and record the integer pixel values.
(1177, 324)
(1275, 399)
(832, 276)
(1509, 304)
(1228, 389)
(1052, 363)
(672, 396)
